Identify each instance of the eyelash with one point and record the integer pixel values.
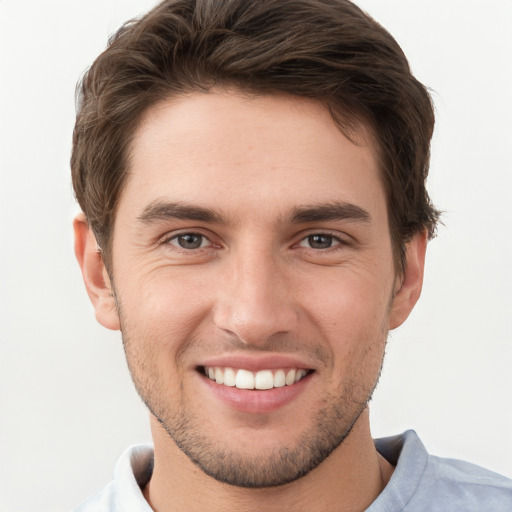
(175, 237)
(337, 243)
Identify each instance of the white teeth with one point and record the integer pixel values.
(264, 379)
(219, 376)
(300, 373)
(290, 377)
(279, 379)
(244, 380)
(229, 377)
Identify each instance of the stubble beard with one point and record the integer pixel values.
(330, 426)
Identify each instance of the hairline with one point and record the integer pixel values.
(356, 127)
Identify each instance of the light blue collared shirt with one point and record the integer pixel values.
(420, 482)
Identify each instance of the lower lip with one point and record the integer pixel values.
(257, 401)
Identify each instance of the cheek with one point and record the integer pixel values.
(351, 313)
(158, 324)
(162, 311)
(349, 299)
(160, 293)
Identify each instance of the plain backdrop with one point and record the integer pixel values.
(67, 405)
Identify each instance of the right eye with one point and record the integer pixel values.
(189, 241)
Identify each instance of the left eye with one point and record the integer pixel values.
(319, 241)
(189, 241)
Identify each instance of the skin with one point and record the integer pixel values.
(258, 288)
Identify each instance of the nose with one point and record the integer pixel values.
(255, 300)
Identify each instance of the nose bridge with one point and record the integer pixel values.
(254, 302)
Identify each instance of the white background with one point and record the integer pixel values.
(67, 407)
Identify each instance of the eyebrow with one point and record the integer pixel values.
(162, 210)
(339, 210)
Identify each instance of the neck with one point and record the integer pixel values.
(350, 479)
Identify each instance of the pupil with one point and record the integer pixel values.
(190, 241)
(320, 241)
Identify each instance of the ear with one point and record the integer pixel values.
(408, 285)
(95, 274)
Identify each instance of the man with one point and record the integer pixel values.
(252, 177)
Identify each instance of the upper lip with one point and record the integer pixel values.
(256, 363)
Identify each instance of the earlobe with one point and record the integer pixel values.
(411, 282)
(94, 274)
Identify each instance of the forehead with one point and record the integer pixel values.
(230, 151)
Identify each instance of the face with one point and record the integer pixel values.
(254, 279)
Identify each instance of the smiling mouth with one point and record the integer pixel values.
(261, 380)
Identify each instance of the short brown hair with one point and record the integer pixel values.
(328, 50)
